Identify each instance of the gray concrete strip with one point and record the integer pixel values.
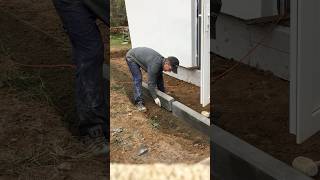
(166, 100)
(235, 159)
(197, 120)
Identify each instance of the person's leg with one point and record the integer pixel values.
(88, 55)
(137, 80)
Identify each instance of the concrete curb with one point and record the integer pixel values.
(192, 117)
(235, 159)
(197, 120)
(166, 100)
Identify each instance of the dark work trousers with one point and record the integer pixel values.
(137, 80)
(88, 56)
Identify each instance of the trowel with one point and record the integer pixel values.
(306, 165)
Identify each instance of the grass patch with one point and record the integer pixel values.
(120, 41)
(32, 85)
(118, 88)
(154, 122)
(29, 85)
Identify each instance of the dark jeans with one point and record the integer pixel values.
(137, 80)
(88, 56)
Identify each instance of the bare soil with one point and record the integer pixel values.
(255, 108)
(37, 104)
(35, 143)
(168, 139)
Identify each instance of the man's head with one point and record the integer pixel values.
(171, 64)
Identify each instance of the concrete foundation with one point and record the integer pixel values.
(188, 75)
(235, 38)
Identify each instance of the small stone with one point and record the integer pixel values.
(66, 166)
(13, 139)
(142, 150)
(305, 165)
(130, 114)
(117, 130)
(205, 113)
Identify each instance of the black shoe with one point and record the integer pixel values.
(97, 145)
(141, 107)
(95, 141)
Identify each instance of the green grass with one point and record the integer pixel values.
(154, 121)
(119, 41)
(118, 88)
(32, 86)
(29, 85)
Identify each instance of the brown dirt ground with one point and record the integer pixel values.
(169, 139)
(34, 139)
(37, 105)
(255, 108)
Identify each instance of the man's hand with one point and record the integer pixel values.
(157, 101)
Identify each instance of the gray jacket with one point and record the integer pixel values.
(152, 62)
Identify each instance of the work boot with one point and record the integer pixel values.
(95, 142)
(141, 107)
(96, 145)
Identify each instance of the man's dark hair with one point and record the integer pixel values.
(174, 62)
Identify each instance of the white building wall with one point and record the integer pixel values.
(234, 39)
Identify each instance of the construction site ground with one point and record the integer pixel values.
(255, 107)
(167, 138)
